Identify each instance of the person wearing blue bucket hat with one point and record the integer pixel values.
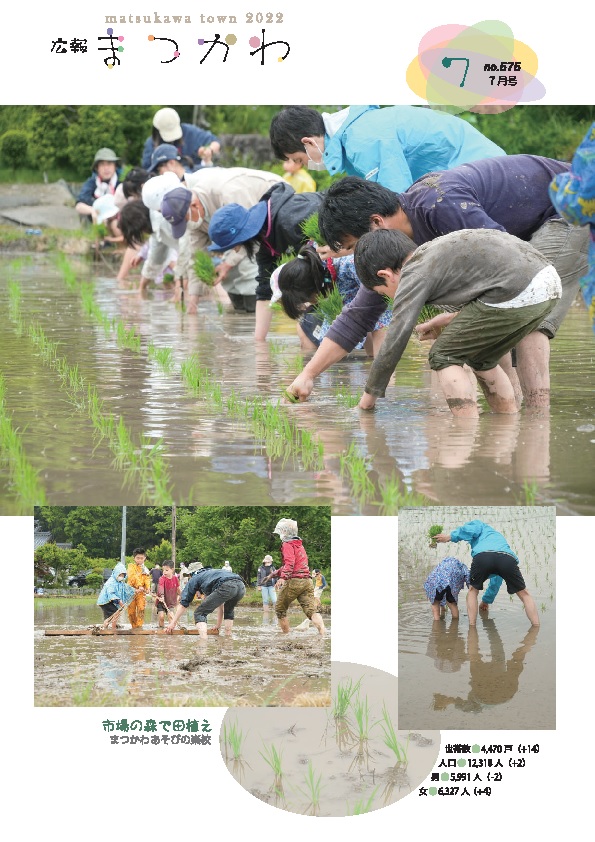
(266, 230)
(211, 190)
(233, 225)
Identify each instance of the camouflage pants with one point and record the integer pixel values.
(300, 589)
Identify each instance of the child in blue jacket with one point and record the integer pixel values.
(115, 593)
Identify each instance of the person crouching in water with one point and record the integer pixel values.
(295, 580)
(221, 589)
(115, 593)
(443, 585)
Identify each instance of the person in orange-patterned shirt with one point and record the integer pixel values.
(140, 579)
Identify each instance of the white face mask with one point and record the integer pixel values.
(316, 166)
(194, 225)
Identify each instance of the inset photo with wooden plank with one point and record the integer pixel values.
(477, 630)
(182, 605)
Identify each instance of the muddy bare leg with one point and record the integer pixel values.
(529, 605)
(533, 366)
(318, 622)
(472, 605)
(454, 610)
(510, 371)
(284, 624)
(498, 390)
(458, 392)
(202, 630)
(436, 609)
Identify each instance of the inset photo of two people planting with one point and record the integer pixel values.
(182, 605)
(477, 631)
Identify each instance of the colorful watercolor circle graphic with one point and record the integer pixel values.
(479, 68)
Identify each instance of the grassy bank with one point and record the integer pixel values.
(252, 598)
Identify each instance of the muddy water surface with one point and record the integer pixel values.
(349, 776)
(256, 666)
(499, 675)
(216, 458)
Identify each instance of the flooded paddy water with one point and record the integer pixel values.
(330, 762)
(117, 399)
(501, 674)
(257, 665)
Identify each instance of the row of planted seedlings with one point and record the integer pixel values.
(281, 436)
(22, 478)
(351, 719)
(268, 422)
(141, 462)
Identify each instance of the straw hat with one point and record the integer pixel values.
(195, 566)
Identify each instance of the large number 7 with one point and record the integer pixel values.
(446, 62)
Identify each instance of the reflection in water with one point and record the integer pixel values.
(494, 680)
(213, 457)
(491, 675)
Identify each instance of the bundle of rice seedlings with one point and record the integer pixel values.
(311, 230)
(434, 530)
(329, 306)
(204, 268)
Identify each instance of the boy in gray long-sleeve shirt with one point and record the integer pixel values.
(501, 286)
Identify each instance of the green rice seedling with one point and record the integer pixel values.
(390, 738)
(294, 365)
(127, 337)
(363, 806)
(311, 231)
(530, 493)
(235, 739)
(344, 398)
(23, 478)
(312, 791)
(361, 714)
(220, 308)
(273, 758)
(329, 306)
(98, 231)
(434, 530)
(428, 311)
(164, 357)
(204, 268)
(392, 498)
(345, 736)
(356, 468)
(68, 273)
(345, 692)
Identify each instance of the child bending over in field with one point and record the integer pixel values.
(444, 583)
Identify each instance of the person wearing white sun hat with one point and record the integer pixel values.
(195, 144)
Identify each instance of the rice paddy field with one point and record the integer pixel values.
(348, 759)
(256, 666)
(109, 397)
(500, 674)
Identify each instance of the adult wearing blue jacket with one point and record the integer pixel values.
(492, 557)
(393, 146)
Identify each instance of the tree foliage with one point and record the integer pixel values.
(209, 534)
